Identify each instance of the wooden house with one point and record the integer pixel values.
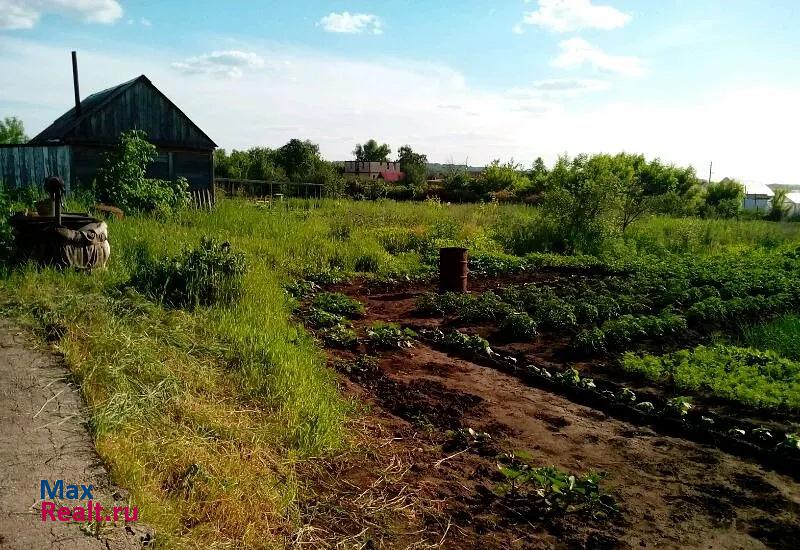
(75, 145)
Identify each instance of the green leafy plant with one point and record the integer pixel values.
(551, 490)
(122, 179)
(339, 336)
(387, 335)
(320, 318)
(627, 395)
(590, 341)
(206, 275)
(519, 325)
(338, 303)
(679, 406)
(761, 379)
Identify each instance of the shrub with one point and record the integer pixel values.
(338, 303)
(122, 180)
(206, 275)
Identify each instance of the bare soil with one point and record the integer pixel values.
(418, 487)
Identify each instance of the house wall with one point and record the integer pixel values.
(140, 107)
(22, 165)
(197, 167)
(759, 203)
(356, 167)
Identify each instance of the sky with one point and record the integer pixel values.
(468, 81)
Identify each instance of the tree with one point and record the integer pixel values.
(372, 152)
(724, 199)
(299, 159)
(415, 169)
(123, 182)
(580, 204)
(12, 130)
(497, 177)
(407, 157)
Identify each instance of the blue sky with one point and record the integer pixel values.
(473, 80)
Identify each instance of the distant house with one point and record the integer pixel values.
(792, 203)
(388, 171)
(74, 146)
(757, 196)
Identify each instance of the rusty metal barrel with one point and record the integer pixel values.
(453, 269)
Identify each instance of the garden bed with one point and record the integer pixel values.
(454, 412)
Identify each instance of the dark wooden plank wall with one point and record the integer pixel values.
(195, 167)
(23, 166)
(141, 107)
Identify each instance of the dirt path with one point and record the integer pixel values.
(42, 436)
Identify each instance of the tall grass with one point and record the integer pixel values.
(781, 335)
(204, 415)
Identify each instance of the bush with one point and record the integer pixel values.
(122, 180)
(209, 274)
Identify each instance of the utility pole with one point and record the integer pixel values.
(710, 164)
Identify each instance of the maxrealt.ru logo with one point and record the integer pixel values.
(93, 511)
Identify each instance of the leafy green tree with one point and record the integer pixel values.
(723, 199)
(538, 176)
(299, 159)
(497, 177)
(415, 169)
(371, 151)
(265, 165)
(580, 205)
(12, 130)
(407, 157)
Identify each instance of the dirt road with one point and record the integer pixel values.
(43, 436)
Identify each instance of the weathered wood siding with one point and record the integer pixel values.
(140, 107)
(22, 166)
(197, 167)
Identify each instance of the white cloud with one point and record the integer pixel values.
(230, 63)
(351, 23)
(431, 107)
(575, 15)
(25, 14)
(145, 22)
(517, 29)
(577, 52)
(565, 87)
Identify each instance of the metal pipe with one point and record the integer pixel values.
(75, 83)
(57, 206)
(453, 269)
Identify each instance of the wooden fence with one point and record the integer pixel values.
(261, 189)
(203, 198)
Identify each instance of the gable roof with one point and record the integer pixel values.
(758, 189)
(59, 131)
